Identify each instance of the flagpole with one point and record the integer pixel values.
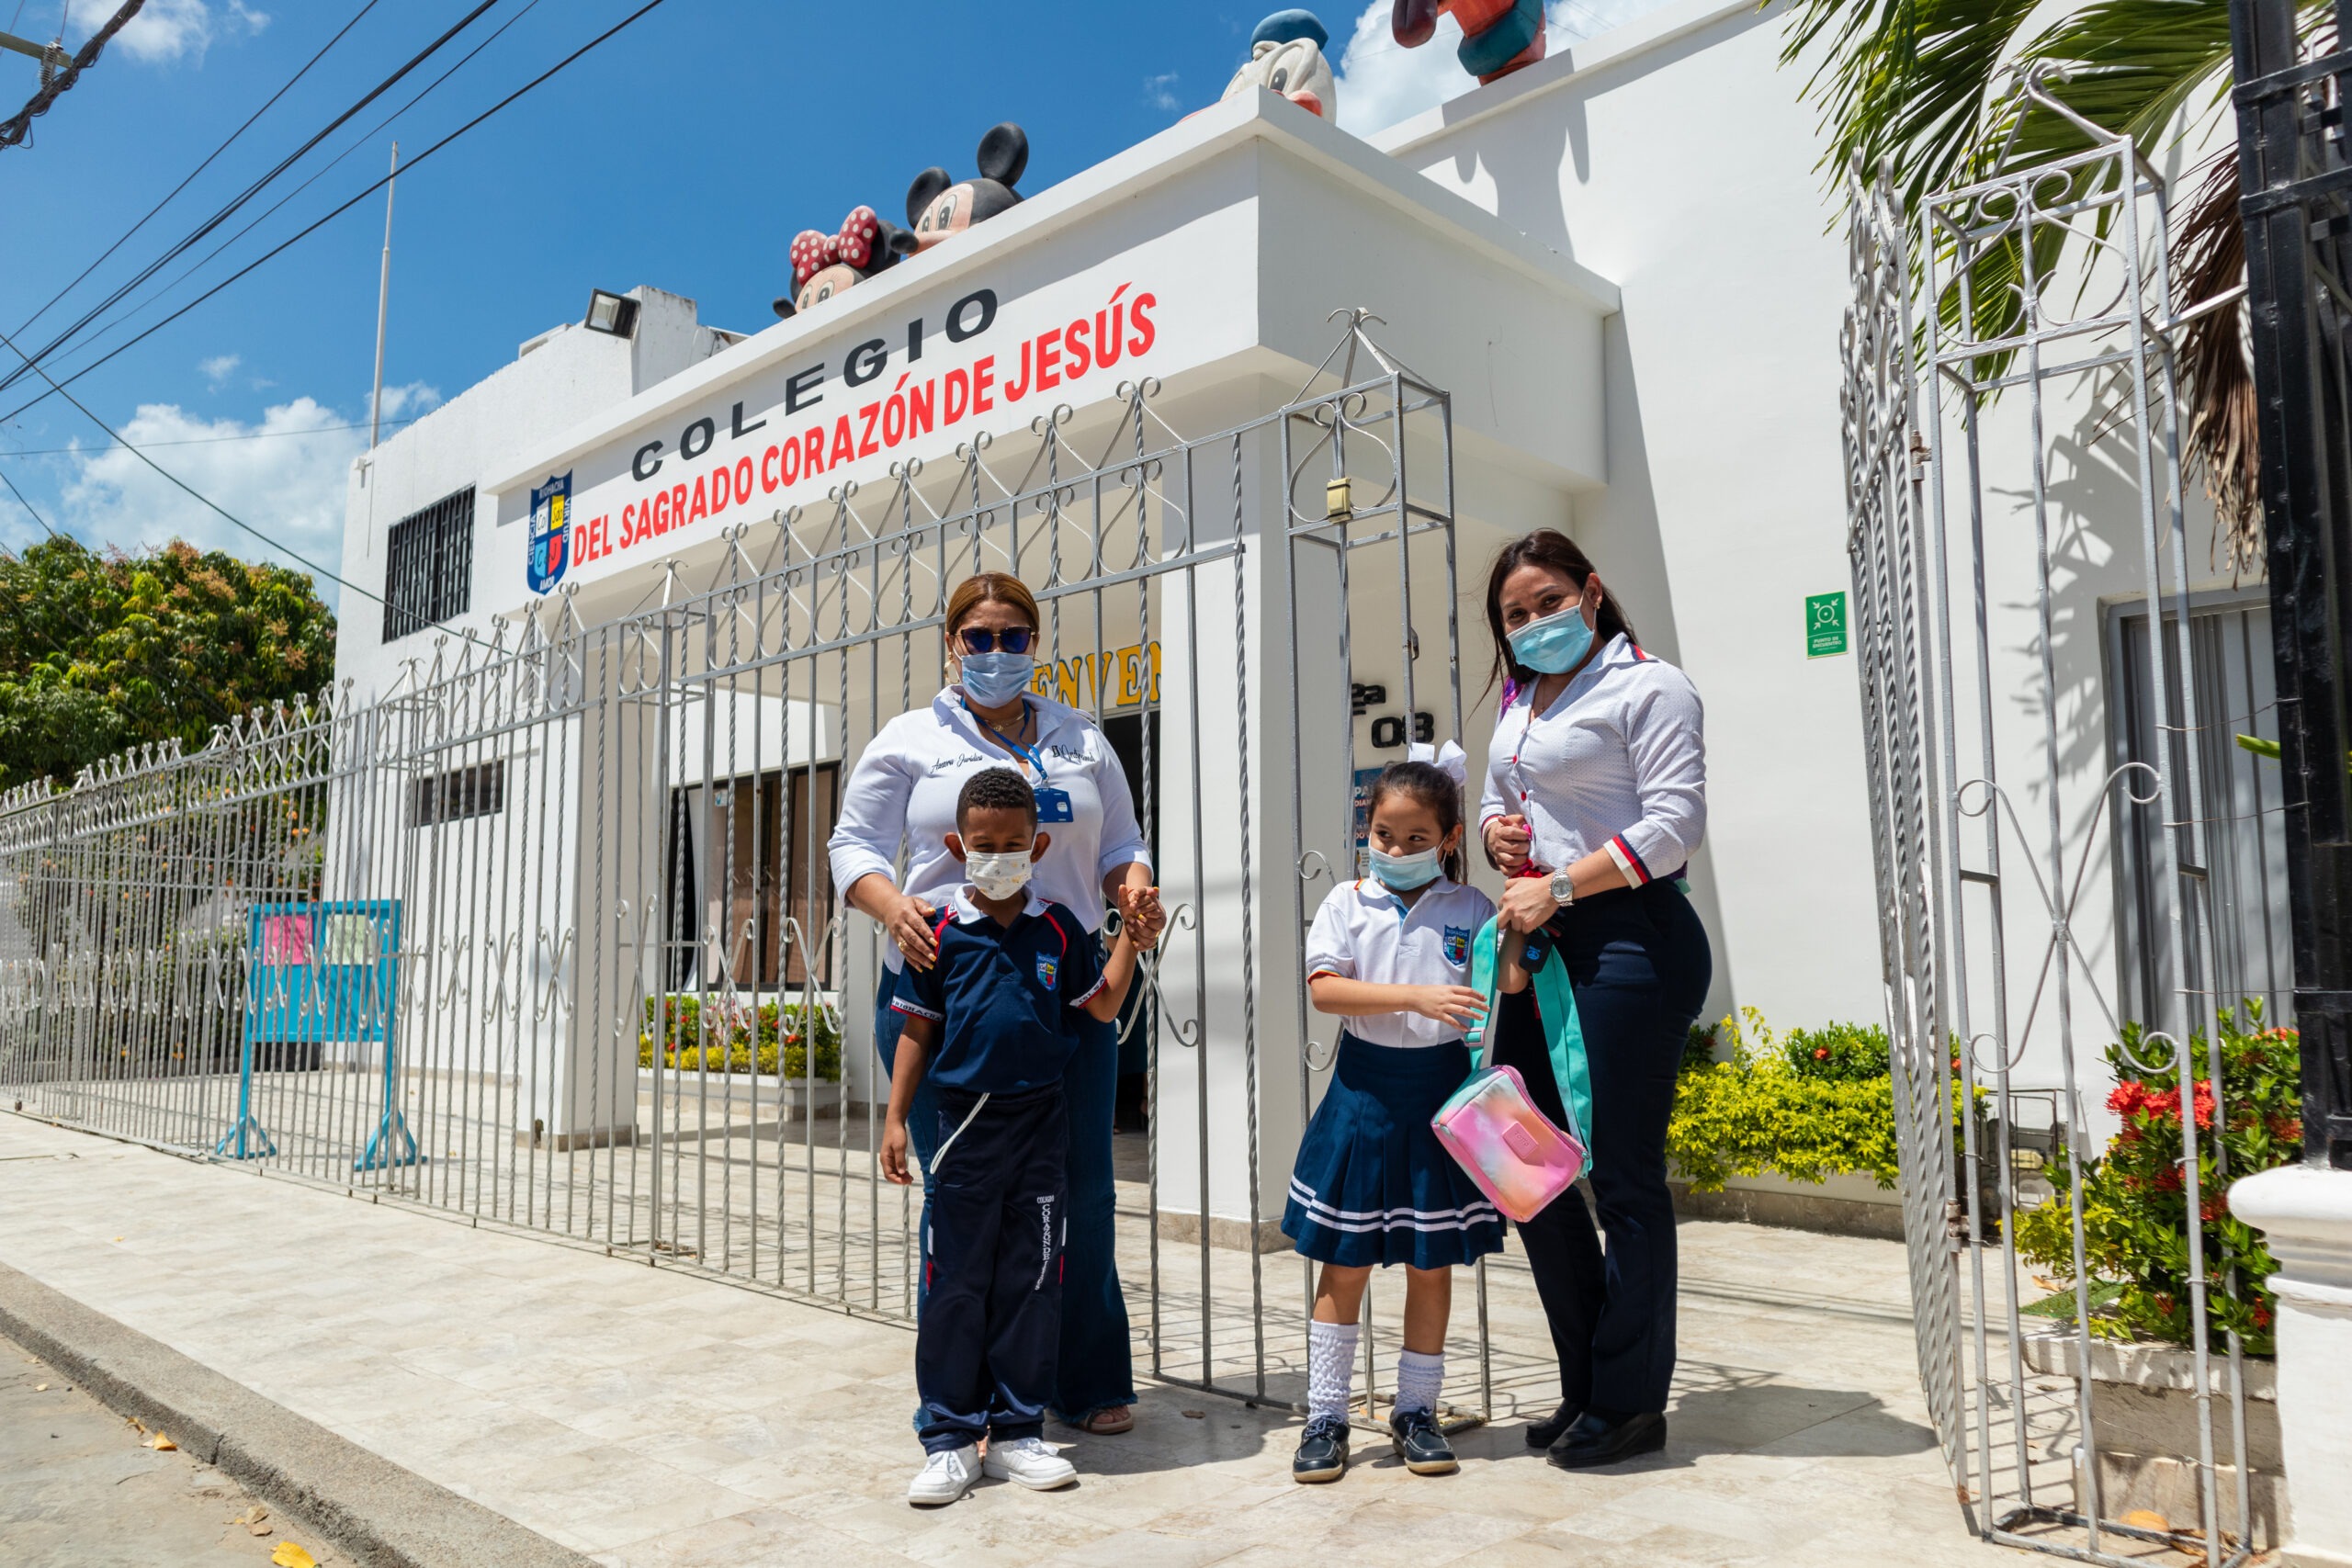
(383, 298)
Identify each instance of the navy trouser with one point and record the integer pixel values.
(1095, 1367)
(1640, 965)
(990, 1325)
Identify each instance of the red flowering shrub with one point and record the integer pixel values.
(2135, 1196)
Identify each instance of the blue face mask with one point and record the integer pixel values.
(994, 680)
(1402, 874)
(1554, 644)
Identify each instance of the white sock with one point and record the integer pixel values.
(1418, 1379)
(1330, 1367)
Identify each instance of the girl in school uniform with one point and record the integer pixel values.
(1390, 954)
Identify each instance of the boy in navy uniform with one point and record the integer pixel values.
(990, 1018)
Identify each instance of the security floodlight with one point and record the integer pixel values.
(609, 312)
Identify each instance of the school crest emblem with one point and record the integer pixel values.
(1457, 945)
(550, 542)
(1047, 969)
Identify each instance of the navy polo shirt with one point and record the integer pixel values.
(1006, 998)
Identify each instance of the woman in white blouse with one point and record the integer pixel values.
(1596, 795)
(902, 792)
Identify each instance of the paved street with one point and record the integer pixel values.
(80, 1488)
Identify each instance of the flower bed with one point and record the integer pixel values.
(2135, 1195)
(770, 1040)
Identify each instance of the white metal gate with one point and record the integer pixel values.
(2041, 889)
(546, 936)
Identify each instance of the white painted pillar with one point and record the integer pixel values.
(2306, 1214)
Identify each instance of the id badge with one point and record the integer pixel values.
(1053, 805)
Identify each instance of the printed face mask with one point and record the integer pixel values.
(992, 679)
(1554, 645)
(1402, 874)
(998, 877)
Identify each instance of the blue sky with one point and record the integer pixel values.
(685, 152)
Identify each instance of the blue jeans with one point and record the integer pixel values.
(1095, 1369)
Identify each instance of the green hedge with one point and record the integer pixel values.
(732, 1038)
(1807, 1105)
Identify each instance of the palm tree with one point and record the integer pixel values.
(1929, 86)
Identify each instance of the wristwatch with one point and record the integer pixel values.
(1563, 889)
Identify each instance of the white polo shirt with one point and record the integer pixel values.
(1365, 932)
(904, 786)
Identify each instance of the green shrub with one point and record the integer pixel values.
(1839, 1053)
(1757, 1111)
(2135, 1196)
(731, 1038)
(1807, 1105)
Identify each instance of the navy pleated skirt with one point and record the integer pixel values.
(1373, 1184)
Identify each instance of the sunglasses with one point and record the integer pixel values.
(1013, 639)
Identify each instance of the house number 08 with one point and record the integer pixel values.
(1388, 730)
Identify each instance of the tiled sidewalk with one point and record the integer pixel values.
(649, 1417)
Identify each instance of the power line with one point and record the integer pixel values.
(250, 191)
(315, 176)
(200, 440)
(303, 233)
(216, 153)
(13, 131)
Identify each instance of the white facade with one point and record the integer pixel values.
(1621, 262)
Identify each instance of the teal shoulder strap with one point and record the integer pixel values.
(1555, 999)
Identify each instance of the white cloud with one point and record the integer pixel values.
(219, 368)
(1382, 83)
(284, 474)
(1159, 91)
(165, 31)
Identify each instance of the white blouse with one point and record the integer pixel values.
(1365, 932)
(904, 786)
(1617, 763)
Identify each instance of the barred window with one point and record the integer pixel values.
(453, 796)
(429, 566)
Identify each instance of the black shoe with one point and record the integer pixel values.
(1415, 1436)
(1545, 1433)
(1594, 1438)
(1322, 1450)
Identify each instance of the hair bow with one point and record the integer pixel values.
(813, 252)
(1447, 758)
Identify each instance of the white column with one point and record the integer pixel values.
(2306, 1214)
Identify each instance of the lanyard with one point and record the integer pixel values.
(1035, 756)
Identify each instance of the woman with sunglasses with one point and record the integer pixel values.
(903, 791)
(1596, 796)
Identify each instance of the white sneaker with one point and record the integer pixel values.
(947, 1476)
(1031, 1461)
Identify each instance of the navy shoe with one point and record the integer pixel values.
(1322, 1450)
(1594, 1438)
(1415, 1436)
(1545, 1433)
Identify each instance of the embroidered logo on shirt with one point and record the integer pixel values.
(1047, 969)
(1457, 945)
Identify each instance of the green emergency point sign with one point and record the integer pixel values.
(1824, 624)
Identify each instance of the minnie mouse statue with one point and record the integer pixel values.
(823, 264)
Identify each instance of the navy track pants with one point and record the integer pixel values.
(990, 1328)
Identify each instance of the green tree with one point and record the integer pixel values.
(1932, 88)
(99, 652)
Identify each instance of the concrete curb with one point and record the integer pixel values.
(378, 1513)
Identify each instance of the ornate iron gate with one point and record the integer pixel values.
(1981, 400)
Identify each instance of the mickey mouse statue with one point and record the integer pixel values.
(938, 207)
(823, 264)
(1499, 37)
(1286, 56)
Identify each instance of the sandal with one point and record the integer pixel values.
(1110, 1421)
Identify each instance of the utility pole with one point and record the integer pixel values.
(383, 299)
